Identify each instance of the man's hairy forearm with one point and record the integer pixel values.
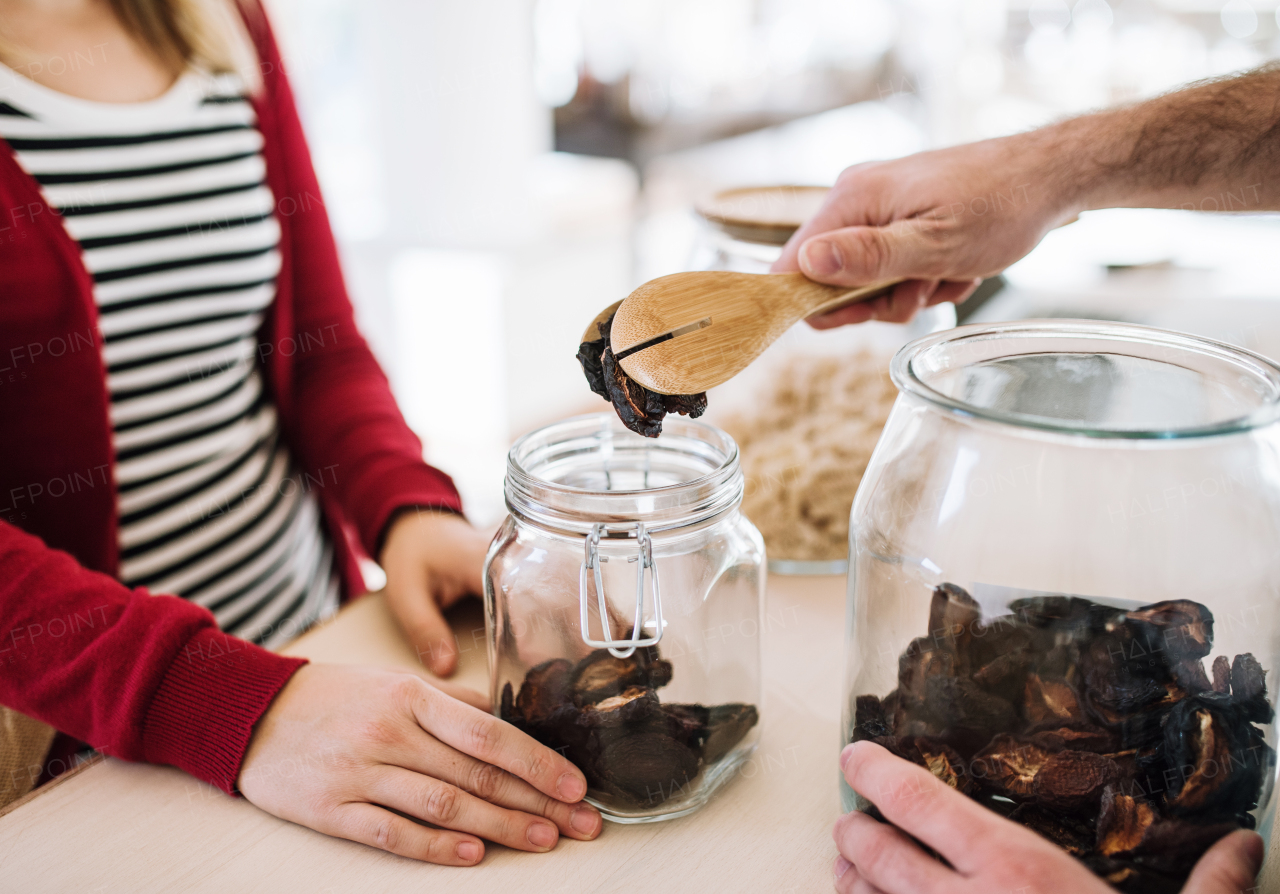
(1183, 149)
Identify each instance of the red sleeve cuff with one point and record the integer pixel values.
(426, 488)
(203, 713)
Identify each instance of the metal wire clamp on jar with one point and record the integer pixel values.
(623, 598)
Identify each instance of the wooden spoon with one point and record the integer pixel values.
(593, 332)
(687, 332)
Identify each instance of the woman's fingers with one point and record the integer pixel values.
(382, 829)
(360, 724)
(887, 859)
(845, 875)
(911, 798)
(463, 694)
(497, 786)
(849, 881)
(1229, 867)
(488, 739)
(441, 804)
(409, 598)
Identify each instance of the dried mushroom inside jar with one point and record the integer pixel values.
(601, 674)
(1009, 767)
(604, 714)
(1099, 728)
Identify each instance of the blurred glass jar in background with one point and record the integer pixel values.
(1064, 581)
(745, 228)
(807, 414)
(623, 599)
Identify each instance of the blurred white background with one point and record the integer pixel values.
(498, 171)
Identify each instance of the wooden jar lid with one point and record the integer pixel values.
(768, 215)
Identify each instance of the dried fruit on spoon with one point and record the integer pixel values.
(640, 409)
(1096, 727)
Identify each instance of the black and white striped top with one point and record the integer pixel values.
(169, 204)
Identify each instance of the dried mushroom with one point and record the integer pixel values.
(945, 764)
(1132, 878)
(1123, 821)
(1190, 676)
(1070, 834)
(635, 705)
(1070, 781)
(1096, 727)
(952, 617)
(1004, 675)
(726, 727)
(937, 757)
(688, 723)
(1217, 760)
(1132, 828)
(604, 715)
(1249, 688)
(1000, 637)
(870, 719)
(1174, 846)
(1222, 675)
(1009, 767)
(963, 711)
(1075, 736)
(1051, 611)
(1049, 700)
(601, 675)
(545, 688)
(645, 769)
(640, 409)
(1180, 627)
(919, 664)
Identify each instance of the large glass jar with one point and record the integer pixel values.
(659, 704)
(1064, 582)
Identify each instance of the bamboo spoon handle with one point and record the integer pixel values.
(793, 296)
(753, 304)
(686, 332)
(850, 296)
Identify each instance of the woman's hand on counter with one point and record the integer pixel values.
(941, 221)
(989, 853)
(342, 747)
(432, 559)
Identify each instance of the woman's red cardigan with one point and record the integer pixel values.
(150, 677)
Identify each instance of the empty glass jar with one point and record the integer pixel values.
(623, 599)
(1065, 564)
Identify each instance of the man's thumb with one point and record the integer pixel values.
(1229, 867)
(855, 256)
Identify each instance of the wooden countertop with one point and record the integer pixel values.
(115, 826)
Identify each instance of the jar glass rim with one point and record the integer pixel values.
(585, 446)
(930, 357)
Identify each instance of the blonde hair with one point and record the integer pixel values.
(205, 34)
(209, 34)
